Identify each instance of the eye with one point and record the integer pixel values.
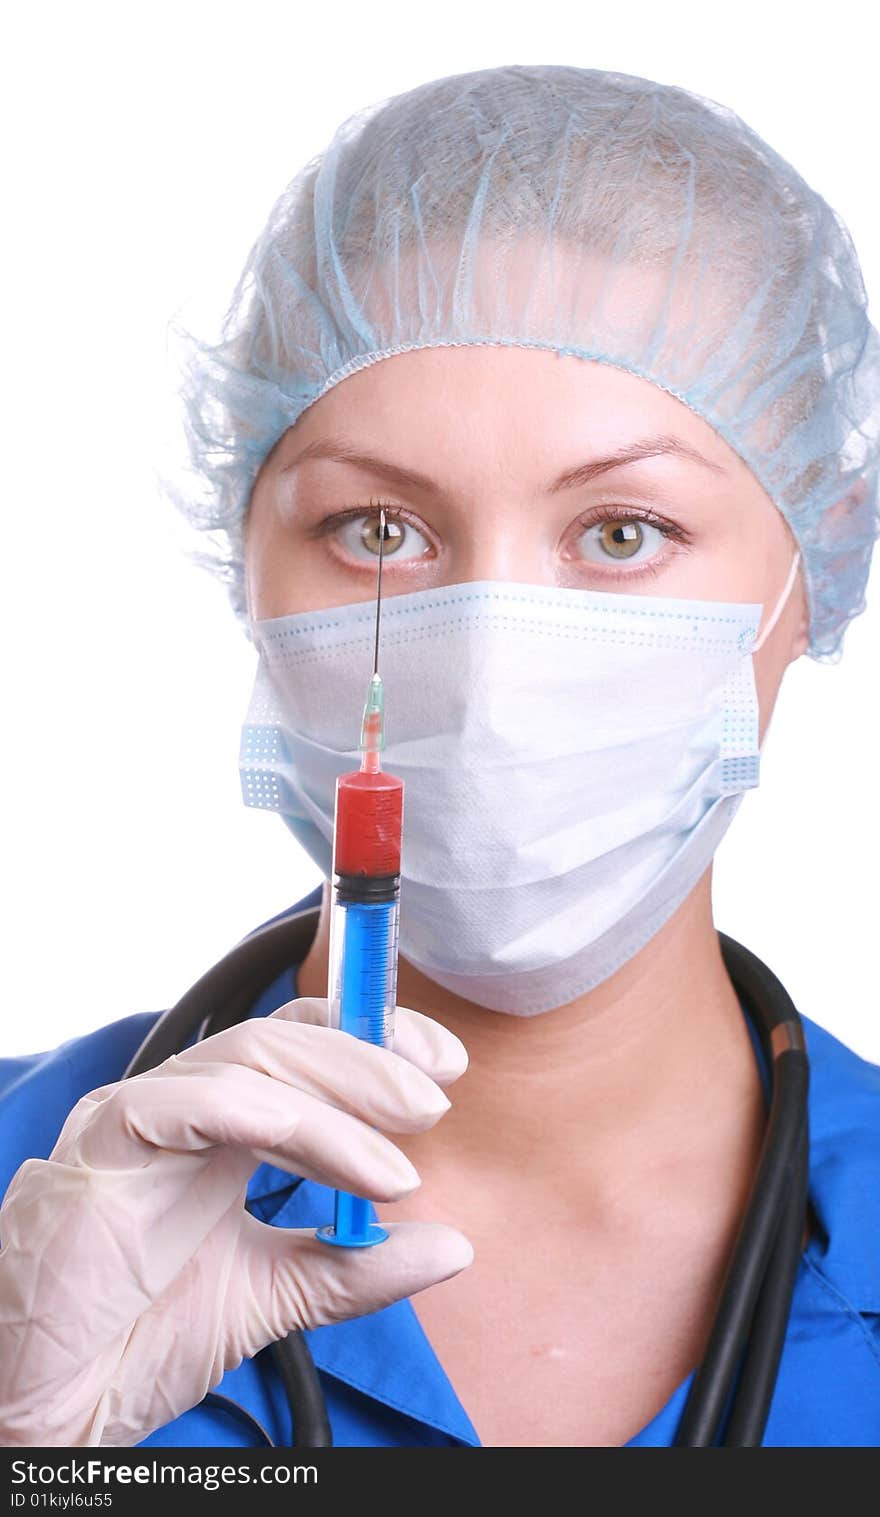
(358, 533)
(621, 538)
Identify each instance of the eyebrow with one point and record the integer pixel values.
(341, 451)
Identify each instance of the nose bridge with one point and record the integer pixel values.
(505, 538)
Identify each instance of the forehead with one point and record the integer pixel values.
(463, 408)
(463, 414)
(490, 394)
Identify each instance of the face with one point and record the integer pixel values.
(498, 464)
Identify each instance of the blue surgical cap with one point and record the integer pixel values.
(590, 213)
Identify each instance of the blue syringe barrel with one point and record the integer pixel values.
(363, 990)
(362, 980)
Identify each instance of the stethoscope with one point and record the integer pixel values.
(733, 1386)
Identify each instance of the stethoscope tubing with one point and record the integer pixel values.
(749, 1415)
(763, 1258)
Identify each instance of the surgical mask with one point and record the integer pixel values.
(571, 761)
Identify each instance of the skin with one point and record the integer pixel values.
(601, 1153)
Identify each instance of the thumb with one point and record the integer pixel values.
(296, 1281)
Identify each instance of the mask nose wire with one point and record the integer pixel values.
(780, 604)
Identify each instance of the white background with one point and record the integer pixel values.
(144, 149)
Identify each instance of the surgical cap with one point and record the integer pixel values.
(585, 212)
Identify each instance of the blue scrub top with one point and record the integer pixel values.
(382, 1380)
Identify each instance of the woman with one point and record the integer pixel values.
(604, 360)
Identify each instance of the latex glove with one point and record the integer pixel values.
(131, 1275)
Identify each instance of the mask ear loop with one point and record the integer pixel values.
(780, 605)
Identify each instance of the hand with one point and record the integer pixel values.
(132, 1277)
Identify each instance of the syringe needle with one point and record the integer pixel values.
(373, 724)
(379, 586)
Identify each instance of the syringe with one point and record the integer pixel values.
(362, 978)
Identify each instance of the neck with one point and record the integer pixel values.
(657, 1061)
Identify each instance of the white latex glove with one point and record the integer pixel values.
(131, 1275)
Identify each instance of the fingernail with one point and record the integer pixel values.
(406, 1181)
(440, 1102)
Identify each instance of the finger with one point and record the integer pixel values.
(300, 1282)
(228, 1106)
(419, 1039)
(374, 1084)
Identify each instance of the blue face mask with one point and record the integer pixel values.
(571, 761)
